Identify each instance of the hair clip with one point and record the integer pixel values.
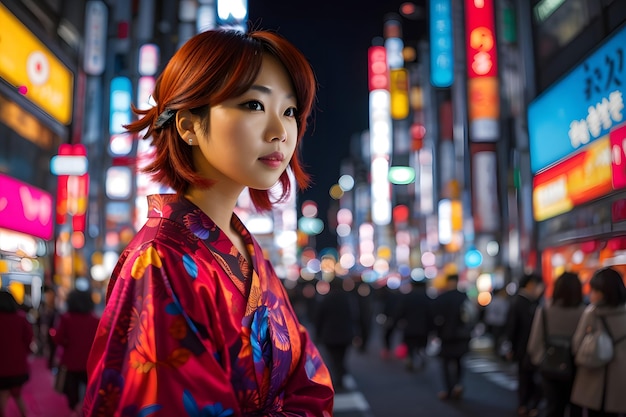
(164, 118)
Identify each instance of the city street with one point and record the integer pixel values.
(385, 388)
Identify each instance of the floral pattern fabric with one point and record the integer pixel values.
(190, 329)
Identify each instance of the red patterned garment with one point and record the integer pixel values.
(190, 329)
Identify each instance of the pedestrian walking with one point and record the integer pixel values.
(387, 320)
(47, 318)
(17, 335)
(74, 334)
(415, 318)
(335, 321)
(560, 315)
(197, 322)
(453, 327)
(519, 322)
(495, 316)
(601, 390)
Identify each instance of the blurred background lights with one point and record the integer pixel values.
(335, 192)
(314, 265)
(121, 144)
(99, 273)
(473, 258)
(578, 256)
(483, 282)
(417, 274)
(401, 175)
(394, 281)
(343, 230)
(309, 208)
(346, 182)
(367, 260)
(310, 226)
(260, 224)
(82, 284)
(430, 272)
(428, 259)
(347, 260)
(493, 248)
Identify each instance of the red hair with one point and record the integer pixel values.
(209, 68)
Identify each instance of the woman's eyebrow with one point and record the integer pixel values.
(266, 90)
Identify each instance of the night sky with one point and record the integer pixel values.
(335, 37)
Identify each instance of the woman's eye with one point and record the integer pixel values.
(253, 105)
(291, 112)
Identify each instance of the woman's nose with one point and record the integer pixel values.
(276, 131)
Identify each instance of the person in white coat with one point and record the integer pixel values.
(602, 390)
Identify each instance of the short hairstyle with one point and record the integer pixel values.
(528, 278)
(209, 68)
(8, 304)
(568, 290)
(79, 302)
(611, 284)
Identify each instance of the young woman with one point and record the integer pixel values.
(197, 322)
(601, 390)
(561, 315)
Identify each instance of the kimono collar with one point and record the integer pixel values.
(180, 210)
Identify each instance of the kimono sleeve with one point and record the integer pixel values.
(309, 390)
(147, 357)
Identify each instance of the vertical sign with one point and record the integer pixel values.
(441, 46)
(482, 71)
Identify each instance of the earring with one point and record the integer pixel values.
(190, 141)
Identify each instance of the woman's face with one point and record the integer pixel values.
(251, 138)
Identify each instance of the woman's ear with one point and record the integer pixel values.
(185, 126)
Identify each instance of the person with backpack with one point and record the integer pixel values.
(601, 389)
(558, 321)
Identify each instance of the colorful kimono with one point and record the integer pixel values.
(190, 329)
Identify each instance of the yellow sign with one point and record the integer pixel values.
(26, 63)
(399, 90)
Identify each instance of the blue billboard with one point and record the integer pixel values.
(580, 108)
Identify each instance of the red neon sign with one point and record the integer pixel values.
(480, 39)
(378, 71)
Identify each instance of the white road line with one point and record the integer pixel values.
(350, 401)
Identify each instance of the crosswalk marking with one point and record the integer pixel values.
(493, 371)
(350, 401)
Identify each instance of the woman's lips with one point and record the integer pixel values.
(273, 160)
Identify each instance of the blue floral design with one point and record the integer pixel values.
(213, 410)
(259, 334)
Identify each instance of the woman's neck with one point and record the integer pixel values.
(216, 203)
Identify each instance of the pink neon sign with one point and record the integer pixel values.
(24, 208)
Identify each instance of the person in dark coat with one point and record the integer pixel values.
(46, 320)
(519, 323)
(415, 315)
(454, 330)
(17, 335)
(75, 332)
(334, 328)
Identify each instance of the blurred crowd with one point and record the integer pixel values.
(61, 333)
(418, 323)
